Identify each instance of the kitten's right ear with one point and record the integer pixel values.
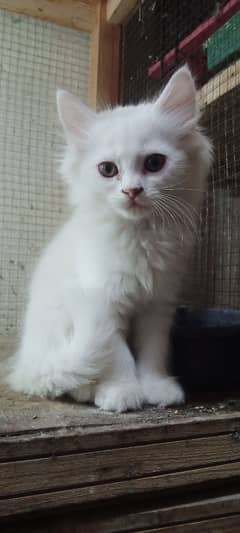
(180, 97)
(75, 117)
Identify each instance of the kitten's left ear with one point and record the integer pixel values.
(75, 117)
(179, 96)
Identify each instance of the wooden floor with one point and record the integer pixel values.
(68, 468)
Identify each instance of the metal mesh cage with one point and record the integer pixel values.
(36, 58)
(158, 37)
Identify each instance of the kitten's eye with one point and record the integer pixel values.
(154, 162)
(108, 169)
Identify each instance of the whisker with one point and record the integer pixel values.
(179, 200)
(192, 189)
(187, 215)
(184, 202)
(177, 214)
(170, 214)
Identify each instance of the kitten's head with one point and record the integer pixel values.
(137, 161)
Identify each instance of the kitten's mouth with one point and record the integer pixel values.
(133, 209)
(133, 203)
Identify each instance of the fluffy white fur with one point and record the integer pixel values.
(115, 268)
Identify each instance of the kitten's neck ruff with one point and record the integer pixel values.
(104, 223)
(93, 214)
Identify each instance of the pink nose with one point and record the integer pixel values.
(132, 193)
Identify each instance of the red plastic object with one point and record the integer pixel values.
(190, 45)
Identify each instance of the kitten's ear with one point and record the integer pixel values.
(179, 96)
(74, 116)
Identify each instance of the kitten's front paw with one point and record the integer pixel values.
(162, 391)
(118, 397)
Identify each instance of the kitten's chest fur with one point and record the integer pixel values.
(131, 264)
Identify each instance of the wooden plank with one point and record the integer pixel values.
(220, 84)
(118, 10)
(58, 471)
(44, 420)
(104, 61)
(206, 508)
(45, 442)
(175, 482)
(33, 426)
(137, 517)
(219, 525)
(165, 515)
(78, 14)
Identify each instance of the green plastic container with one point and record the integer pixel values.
(224, 42)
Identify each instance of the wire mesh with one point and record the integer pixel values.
(36, 58)
(155, 42)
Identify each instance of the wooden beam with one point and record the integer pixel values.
(104, 60)
(168, 460)
(203, 509)
(78, 14)
(118, 10)
(220, 84)
(108, 493)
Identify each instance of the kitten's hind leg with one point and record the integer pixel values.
(118, 389)
(60, 355)
(54, 373)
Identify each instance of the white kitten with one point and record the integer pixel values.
(135, 178)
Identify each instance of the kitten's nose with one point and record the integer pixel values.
(132, 193)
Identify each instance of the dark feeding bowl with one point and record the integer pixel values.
(206, 349)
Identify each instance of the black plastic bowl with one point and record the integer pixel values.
(206, 349)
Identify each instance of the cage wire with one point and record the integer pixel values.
(36, 58)
(157, 38)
